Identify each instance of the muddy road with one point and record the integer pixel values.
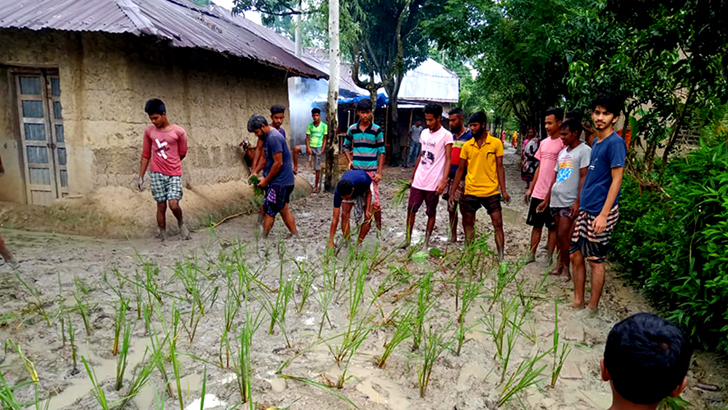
(234, 277)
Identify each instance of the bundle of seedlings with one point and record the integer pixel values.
(254, 180)
(402, 188)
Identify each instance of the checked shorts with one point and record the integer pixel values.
(165, 187)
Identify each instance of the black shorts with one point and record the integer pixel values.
(276, 198)
(418, 196)
(471, 204)
(539, 219)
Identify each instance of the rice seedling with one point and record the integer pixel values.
(72, 340)
(81, 286)
(424, 304)
(277, 309)
(230, 311)
(355, 329)
(305, 281)
(403, 187)
(559, 354)
(321, 386)
(97, 391)
(434, 346)
(157, 346)
(402, 332)
(325, 294)
(354, 343)
(242, 363)
(121, 360)
(204, 388)
(83, 310)
(35, 293)
(7, 394)
(139, 379)
(525, 376)
(61, 311)
(172, 345)
(472, 290)
(504, 277)
(119, 322)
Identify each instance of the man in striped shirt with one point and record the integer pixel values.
(364, 148)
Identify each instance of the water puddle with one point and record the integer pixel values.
(512, 217)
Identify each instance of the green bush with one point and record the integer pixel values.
(673, 242)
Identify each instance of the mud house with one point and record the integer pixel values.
(74, 76)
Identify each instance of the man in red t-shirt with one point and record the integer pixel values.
(169, 143)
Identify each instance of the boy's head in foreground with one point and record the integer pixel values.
(157, 112)
(646, 360)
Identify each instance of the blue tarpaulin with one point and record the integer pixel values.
(382, 100)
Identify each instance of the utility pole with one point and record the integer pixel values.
(333, 100)
(299, 30)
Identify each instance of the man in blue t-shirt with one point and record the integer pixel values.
(278, 178)
(599, 212)
(354, 195)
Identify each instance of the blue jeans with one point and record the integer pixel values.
(414, 151)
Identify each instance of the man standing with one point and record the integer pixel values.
(316, 143)
(353, 194)
(279, 180)
(460, 135)
(364, 148)
(430, 174)
(485, 181)
(414, 150)
(547, 154)
(530, 163)
(4, 252)
(599, 210)
(564, 196)
(277, 115)
(169, 143)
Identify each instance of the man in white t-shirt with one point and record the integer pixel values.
(414, 149)
(431, 170)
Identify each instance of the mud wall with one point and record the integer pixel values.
(105, 81)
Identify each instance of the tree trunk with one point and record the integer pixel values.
(676, 129)
(392, 93)
(332, 114)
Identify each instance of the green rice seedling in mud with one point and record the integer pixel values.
(81, 286)
(356, 327)
(277, 308)
(505, 277)
(471, 291)
(157, 355)
(8, 401)
(402, 332)
(61, 310)
(72, 340)
(172, 345)
(119, 322)
(32, 373)
(322, 386)
(353, 345)
(398, 275)
(121, 360)
(424, 305)
(230, 311)
(435, 344)
(242, 363)
(200, 290)
(35, 293)
(559, 353)
(97, 391)
(403, 188)
(325, 294)
(525, 376)
(84, 311)
(305, 281)
(140, 378)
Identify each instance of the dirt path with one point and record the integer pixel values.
(95, 269)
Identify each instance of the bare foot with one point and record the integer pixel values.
(556, 271)
(184, 232)
(578, 306)
(531, 259)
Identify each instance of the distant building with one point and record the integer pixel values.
(75, 74)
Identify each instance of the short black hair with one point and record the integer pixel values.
(647, 358)
(277, 109)
(155, 106)
(478, 117)
(611, 103)
(456, 111)
(573, 125)
(364, 105)
(344, 187)
(434, 109)
(575, 114)
(556, 112)
(316, 111)
(256, 122)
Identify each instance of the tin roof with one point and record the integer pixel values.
(180, 22)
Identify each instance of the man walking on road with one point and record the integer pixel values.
(169, 145)
(429, 177)
(599, 210)
(316, 144)
(547, 154)
(485, 181)
(460, 135)
(364, 148)
(279, 180)
(563, 197)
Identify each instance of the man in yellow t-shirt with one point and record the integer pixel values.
(485, 180)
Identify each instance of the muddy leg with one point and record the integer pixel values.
(597, 284)
(162, 220)
(364, 230)
(469, 226)
(430, 228)
(268, 224)
(500, 237)
(535, 239)
(316, 186)
(563, 236)
(296, 151)
(410, 224)
(378, 217)
(177, 211)
(577, 261)
(454, 225)
(288, 219)
(261, 216)
(551, 244)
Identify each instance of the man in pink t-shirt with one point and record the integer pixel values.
(165, 146)
(429, 177)
(547, 155)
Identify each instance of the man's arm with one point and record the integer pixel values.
(577, 203)
(308, 144)
(347, 149)
(600, 223)
(334, 225)
(417, 164)
(277, 164)
(258, 157)
(529, 191)
(502, 178)
(368, 206)
(2, 168)
(458, 177)
(380, 165)
(445, 169)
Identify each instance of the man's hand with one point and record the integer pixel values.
(600, 224)
(441, 187)
(574, 210)
(377, 177)
(527, 197)
(541, 207)
(506, 197)
(351, 165)
(140, 183)
(263, 183)
(309, 151)
(367, 215)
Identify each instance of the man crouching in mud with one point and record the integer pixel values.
(7, 256)
(278, 178)
(169, 143)
(353, 194)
